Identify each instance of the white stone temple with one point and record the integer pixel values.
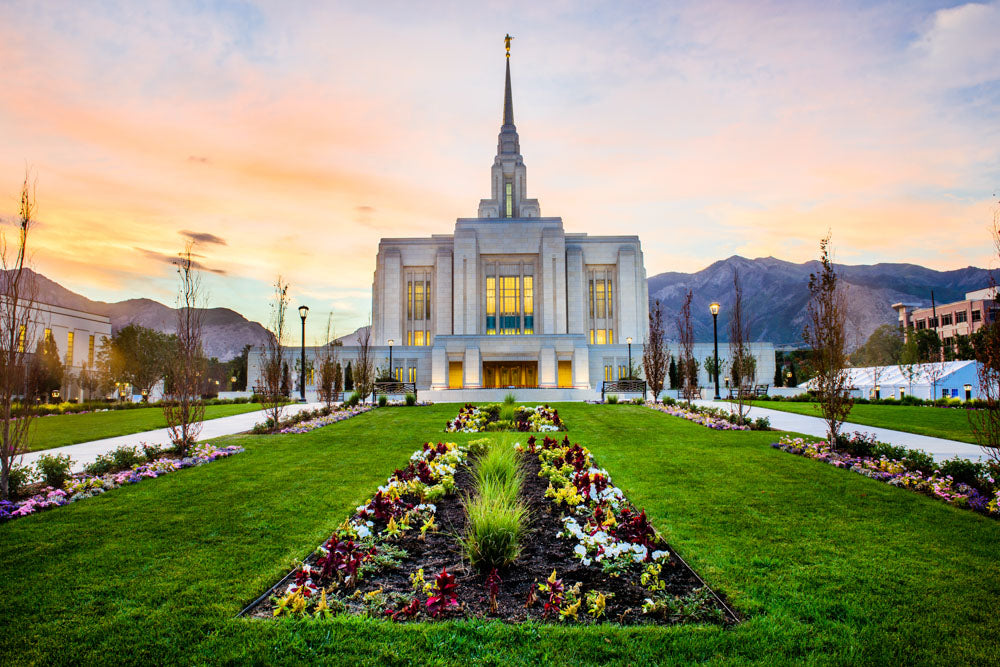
(510, 299)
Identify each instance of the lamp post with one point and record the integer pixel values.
(629, 341)
(391, 373)
(303, 311)
(714, 307)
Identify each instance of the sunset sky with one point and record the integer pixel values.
(288, 138)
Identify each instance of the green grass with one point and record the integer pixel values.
(495, 514)
(948, 423)
(829, 567)
(60, 430)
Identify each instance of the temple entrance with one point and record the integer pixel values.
(503, 374)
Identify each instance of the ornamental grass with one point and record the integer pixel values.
(496, 516)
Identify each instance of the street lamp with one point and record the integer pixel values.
(629, 341)
(391, 373)
(714, 307)
(303, 311)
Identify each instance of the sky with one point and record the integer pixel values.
(287, 138)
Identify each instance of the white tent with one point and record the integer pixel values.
(948, 379)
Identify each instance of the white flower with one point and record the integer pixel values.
(657, 555)
(580, 550)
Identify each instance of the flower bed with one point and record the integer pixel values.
(473, 419)
(397, 557)
(709, 419)
(322, 420)
(87, 486)
(901, 473)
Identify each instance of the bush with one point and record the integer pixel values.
(20, 477)
(667, 400)
(383, 401)
(761, 424)
(411, 400)
(125, 457)
(612, 399)
(496, 517)
(55, 470)
(152, 452)
(103, 464)
(510, 399)
(352, 400)
(916, 459)
(965, 471)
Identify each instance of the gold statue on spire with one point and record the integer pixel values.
(506, 42)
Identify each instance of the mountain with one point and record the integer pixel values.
(224, 331)
(775, 294)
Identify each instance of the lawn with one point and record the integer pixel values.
(59, 430)
(949, 423)
(828, 566)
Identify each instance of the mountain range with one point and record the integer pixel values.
(224, 331)
(775, 294)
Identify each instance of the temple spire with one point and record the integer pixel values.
(508, 99)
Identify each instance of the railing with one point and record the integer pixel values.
(391, 387)
(623, 387)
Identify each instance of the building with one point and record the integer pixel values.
(961, 318)
(948, 379)
(78, 336)
(508, 299)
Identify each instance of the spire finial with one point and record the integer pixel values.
(506, 42)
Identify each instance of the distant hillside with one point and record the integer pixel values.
(224, 331)
(775, 294)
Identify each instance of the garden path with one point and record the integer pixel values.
(940, 448)
(86, 452)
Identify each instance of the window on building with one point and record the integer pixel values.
(90, 352)
(510, 298)
(48, 333)
(946, 320)
(411, 374)
(921, 324)
(622, 372)
(509, 198)
(69, 349)
(608, 373)
(600, 306)
(418, 306)
(20, 339)
(976, 316)
(960, 317)
(932, 323)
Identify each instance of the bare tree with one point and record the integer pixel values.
(654, 352)
(985, 422)
(741, 362)
(364, 367)
(183, 408)
(329, 367)
(687, 364)
(17, 305)
(825, 334)
(272, 362)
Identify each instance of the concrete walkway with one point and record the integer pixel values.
(940, 448)
(86, 452)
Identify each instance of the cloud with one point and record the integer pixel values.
(174, 260)
(198, 158)
(203, 237)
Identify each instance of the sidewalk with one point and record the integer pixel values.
(86, 452)
(940, 448)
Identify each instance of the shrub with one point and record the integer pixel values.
(496, 517)
(965, 471)
(916, 459)
(612, 399)
(20, 477)
(55, 470)
(510, 399)
(353, 399)
(411, 400)
(383, 401)
(152, 452)
(761, 424)
(667, 400)
(103, 464)
(125, 457)
(508, 412)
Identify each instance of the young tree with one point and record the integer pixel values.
(688, 365)
(909, 360)
(329, 368)
(826, 336)
(985, 422)
(672, 373)
(654, 352)
(45, 371)
(17, 303)
(272, 363)
(183, 409)
(338, 380)
(140, 357)
(348, 378)
(742, 363)
(364, 368)
(89, 380)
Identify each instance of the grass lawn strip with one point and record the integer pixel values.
(60, 430)
(936, 422)
(827, 567)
